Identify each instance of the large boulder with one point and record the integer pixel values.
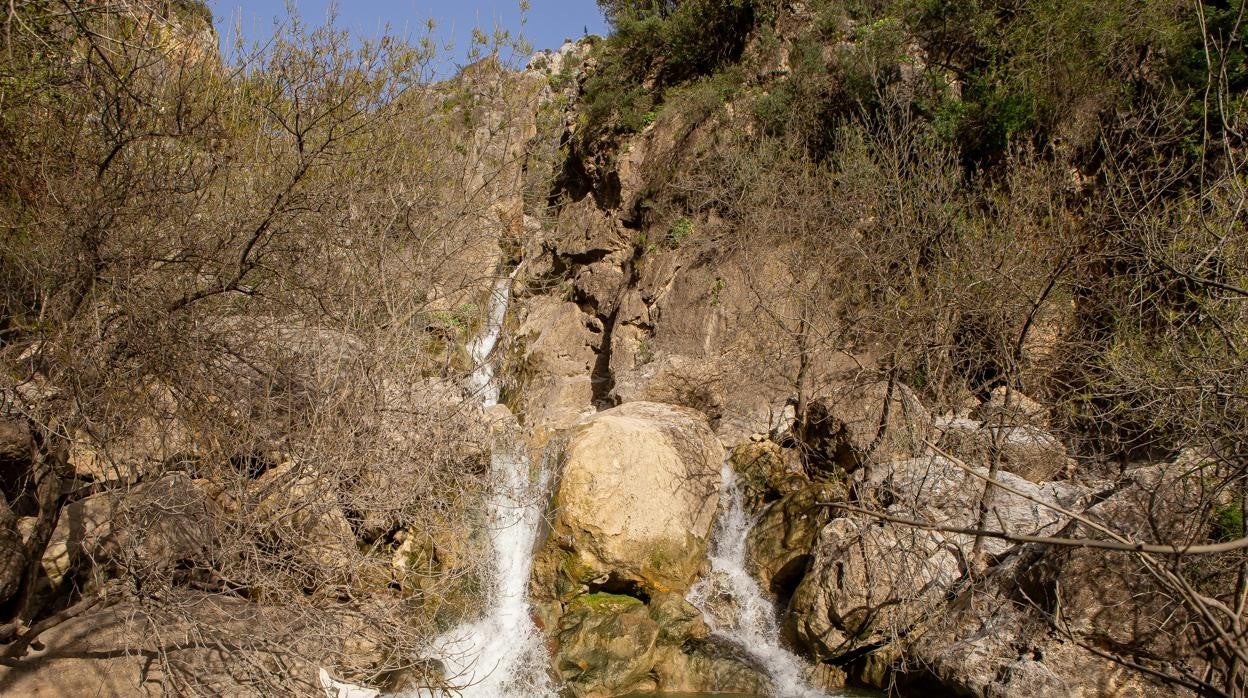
(870, 581)
(993, 640)
(1113, 600)
(780, 541)
(152, 525)
(1025, 450)
(198, 646)
(636, 497)
(609, 644)
(863, 424)
(606, 645)
(867, 583)
(934, 489)
(707, 665)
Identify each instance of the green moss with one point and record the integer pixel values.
(1228, 522)
(574, 570)
(602, 603)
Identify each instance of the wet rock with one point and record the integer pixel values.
(707, 666)
(780, 542)
(606, 645)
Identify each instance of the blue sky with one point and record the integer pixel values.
(549, 21)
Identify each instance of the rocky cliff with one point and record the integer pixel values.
(836, 344)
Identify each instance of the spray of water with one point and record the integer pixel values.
(736, 609)
(482, 380)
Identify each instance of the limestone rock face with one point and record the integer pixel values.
(1115, 601)
(765, 472)
(1011, 407)
(780, 541)
(558, 355)
(587, 233)
(989, 643)
(868, 581)
(606, 645)
(934, 489)
(153, 524)
(863, 424)
(635, 501)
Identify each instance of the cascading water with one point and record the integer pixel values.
(503, 653)
(481, 348)
(733, 605)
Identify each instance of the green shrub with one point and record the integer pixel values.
(679, 232)
(667, 44)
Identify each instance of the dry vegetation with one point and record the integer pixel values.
(235, 303)
(1039, 199)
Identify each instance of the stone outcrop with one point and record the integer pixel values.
(782, 538)
(635, 500)
(556, 347)
(766, 472)
(1025, 450)
(861, 424)
(636, 496)
(151, 526)
(610, 645)
(868, 582)
(871, 580)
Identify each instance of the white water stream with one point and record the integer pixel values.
(734, 606)
(502, 654)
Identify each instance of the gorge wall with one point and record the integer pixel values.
(762, 347)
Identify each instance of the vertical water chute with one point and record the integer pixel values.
(734, 606)
(502, 653)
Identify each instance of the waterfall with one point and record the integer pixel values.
(482, 381)
(733, 605)
(502, 653)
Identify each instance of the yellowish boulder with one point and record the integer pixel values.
(636, 498)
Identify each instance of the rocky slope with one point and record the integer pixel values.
(620, 308)
(917, 525)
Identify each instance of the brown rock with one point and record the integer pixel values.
(637, 495)
(863, 424)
